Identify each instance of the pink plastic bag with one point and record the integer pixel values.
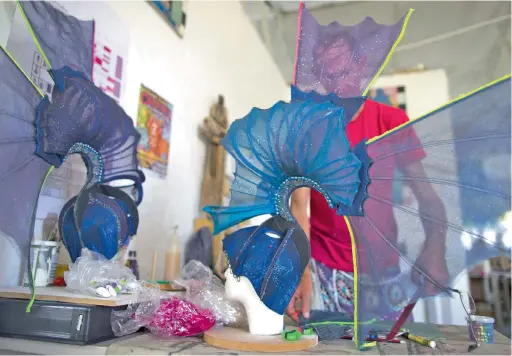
(176, 317)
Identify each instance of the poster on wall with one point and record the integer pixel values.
(154, 119)
(110, 48)
(108, 67)
(174, 13)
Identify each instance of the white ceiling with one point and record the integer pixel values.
(292, 6)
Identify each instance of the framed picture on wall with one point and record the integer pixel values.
(174, 12)
(154, 125)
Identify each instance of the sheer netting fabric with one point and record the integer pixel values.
(288, 146)
(64, 40)
(82, 119)
(99, 129)
(458, 158)
(342, 60)
(21, 172)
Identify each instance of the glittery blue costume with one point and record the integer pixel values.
(465, 168)
(290, 145)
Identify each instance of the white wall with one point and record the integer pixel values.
(6, 16)
(220, 53)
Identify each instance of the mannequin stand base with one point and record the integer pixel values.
(242, 340)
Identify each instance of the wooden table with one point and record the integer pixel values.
(455, 342)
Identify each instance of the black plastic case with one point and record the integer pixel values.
(56, 322)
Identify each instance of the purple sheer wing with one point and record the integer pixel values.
(64, 40)
(459, 158)
(21, 172)
(343, 60)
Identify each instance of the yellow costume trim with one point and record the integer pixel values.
(393, 48)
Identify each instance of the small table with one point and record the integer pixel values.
(456, 342)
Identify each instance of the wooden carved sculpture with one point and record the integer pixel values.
(212, 130)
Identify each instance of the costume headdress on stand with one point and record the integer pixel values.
(272, 256)
(37, 135)
(459, 153)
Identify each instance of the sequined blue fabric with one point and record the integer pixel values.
(93, 162)
(272, 257)
(81, 114)
(106, 224)
(287, 146)
(100, 228)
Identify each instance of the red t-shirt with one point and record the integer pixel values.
(330, 238)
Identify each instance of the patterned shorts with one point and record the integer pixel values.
(334, 291)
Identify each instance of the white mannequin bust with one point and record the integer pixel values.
(262, 320)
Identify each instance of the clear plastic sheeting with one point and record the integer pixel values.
(139, 313)
(172, 314)
(206, 290)
(93, 274)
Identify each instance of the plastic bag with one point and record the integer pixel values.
(163, 316)
(206, 290)
(177, 317)
(140, 312)
(93, 274)
(202, 306)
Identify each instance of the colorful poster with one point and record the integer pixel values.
(154, 124)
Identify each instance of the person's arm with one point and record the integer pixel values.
(430, 206)
(431, 262)
(299, 208)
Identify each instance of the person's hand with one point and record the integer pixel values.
(432, 262)
(302, 294)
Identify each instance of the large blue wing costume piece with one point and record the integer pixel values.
(288, 146)
(460, 155)
(38, 135)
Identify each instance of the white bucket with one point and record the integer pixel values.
(44, 256)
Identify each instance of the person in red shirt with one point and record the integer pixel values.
(331, 248)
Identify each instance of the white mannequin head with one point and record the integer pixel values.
(262, 320)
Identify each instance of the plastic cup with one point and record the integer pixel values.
(44, 257)
(481, 329)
